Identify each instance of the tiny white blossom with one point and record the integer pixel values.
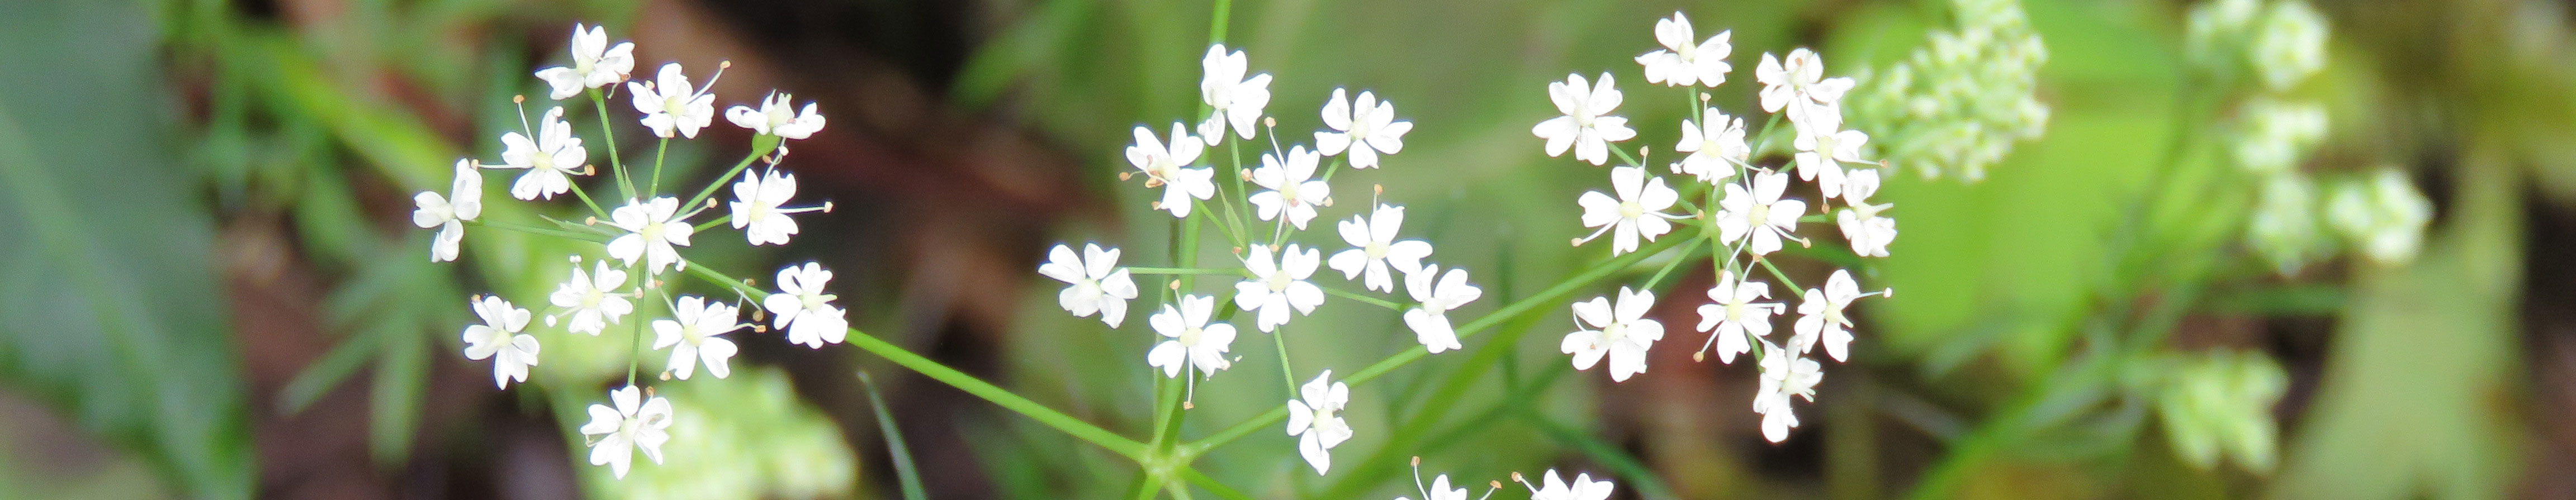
(1224, 89)
(1823, 146)
(594, 63)
(1798, 84)
(1430, 320)
(1097, 283)
(1440, 489)
(1784, 376)
(778, 117)
(1861, 222)
(1277, 286)
(1620, 332)
(550, 158)
(1374, 249)
(1165, 166)
(1759, 215)
(1194, 341)
(499, 338)
(2383, 217)
(1583, 488)
(671, 106)
(627, 427)
(756, 211)
(1366, 127)
(1821, 316)
(693, 334)
(1292, 188)
(803, 307)
(1682, 63)
(592, 297)
(1637, 212)
(1735, 317)
(1317, 422)
(464, 202)
(1584, 128)
(652, 228)
(1715, 146)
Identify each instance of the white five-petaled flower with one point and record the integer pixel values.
(1618, 330)
(1366, 127)
(1784, 376)
(652, 228)
(778, 117)
(1715, 146)
(1236, 99)
(1096, 283)
(756, 211)
(1798, 84)
(1440, 489)
(1637, 212)
(1293, 190)
(464, 202)
(592, 297)
(1584, 128)
(1166, 166)
(1821, 315)
(694, 334)
(1279, 286)
(671, 106)
(1583, 488)
(1861, 222)
(594, 63)
(803, 307)
(1759, 214)
(550, 158)
(627, 427)
(1682, 63)
(1317, 420)
(499, 338)
(1375, 249)
(1430, 321)
(1735, 317)
(1194, 341)
(1823, 146)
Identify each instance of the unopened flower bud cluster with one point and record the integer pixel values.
(1960, 104)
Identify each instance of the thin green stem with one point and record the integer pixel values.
(1279, 338)
(608, 138)
(635, 348)
(1678, 258)
(541, 231)
(585, 200)
(1776, 274)
(760, 145)
(712, 223)
(1389, 305)
(654, 184)
(1624, 156)
(1182, 270)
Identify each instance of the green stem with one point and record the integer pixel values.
(760, 145)
(585, 200)
(654, 184)
(1776, 274)
(1280, 338)
(1678, 259)
(1389, 305)
(1182, 270)
(712, 223)
(541, 231)
(608, 138)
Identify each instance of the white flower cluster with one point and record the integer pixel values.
(1261, 209)
(1960, 103)
(640, 240)
(1549, 487)
(1750, 222)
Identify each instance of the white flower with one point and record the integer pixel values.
(1583, 128)
(1367, 128)
(671, 106)
(627, 427)
(652, 229)
(550, 158)
(1715, 147)
(1277, 287)
(1868, 231)
(1784, 376)
(1621, 332)
(1098, 284)
(756, 200)
(499, 338)
(1823, 147)
(778, 117)
(1798, 84)
(1194, 341)
(1374, 248)
(2384, 217)
(692, 335)
(1226, 90)
(1439, 489)
(464, 202)
(1735, 316)
(1759, 214)
(1821, 315)
(1165, 166)
(1638, 211)
(1292, 188)
(2290, 44)
(1317, 422)
(1681, 63)
(1430, 321)
(592, 297)
(803, 307)
(1583, 488)
(594, 63)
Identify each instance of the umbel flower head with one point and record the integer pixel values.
(1619, 331)
(498, 338)
(653, 229)
(1366, 127)
(1585, 128)
(1681, 62)
(1317, 422)
(595, 64)
(1096, 283)
(616, 433)
(464, 202)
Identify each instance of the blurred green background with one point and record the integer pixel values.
(213, 292)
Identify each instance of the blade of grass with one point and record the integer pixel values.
(904, 471)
